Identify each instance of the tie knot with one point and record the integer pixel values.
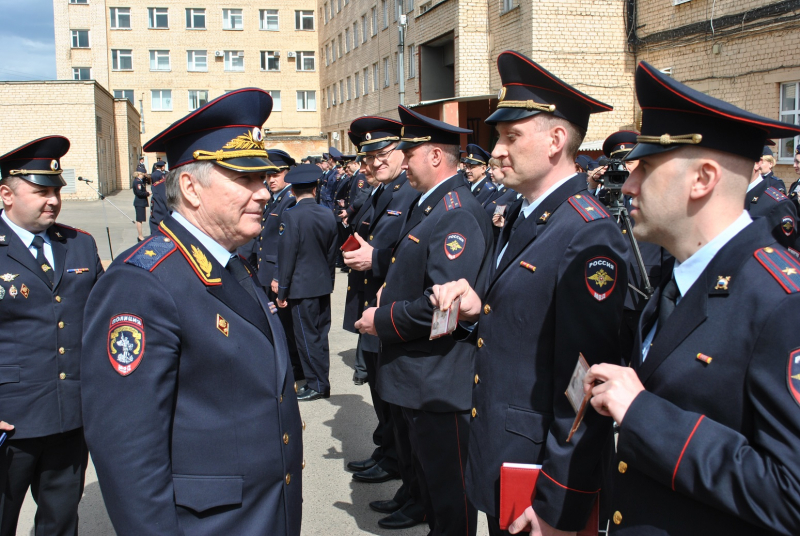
(38, 242)
(671, 291)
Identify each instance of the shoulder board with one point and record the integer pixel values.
(158, 183)
(775, 194)
(151, 252)
(588, 207)
(782, 266)
(452, 201)
(73, 228)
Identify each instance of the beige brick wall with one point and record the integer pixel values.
(92, 17)
(128, 143)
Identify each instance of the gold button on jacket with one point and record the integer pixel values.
(617, 518)
(285, 439)
(480, 343)
(487, 309)
(63, 375)
(622, 467)
(474, 412)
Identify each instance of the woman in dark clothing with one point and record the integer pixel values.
(140, 201)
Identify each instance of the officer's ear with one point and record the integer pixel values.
(6, 193)
(190, 189)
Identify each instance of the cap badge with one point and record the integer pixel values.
(501, 94)
(54, 165)
(258, 136)
(402, 131)
(367, 136)
(246, 141)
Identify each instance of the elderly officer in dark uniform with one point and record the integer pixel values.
(46, 273)
(709, 410)
(306, 273)
(158, 202)
(476, 162)
(189, 403)
(446, 236)
(555, 291)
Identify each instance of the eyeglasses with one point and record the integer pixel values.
(383, 156)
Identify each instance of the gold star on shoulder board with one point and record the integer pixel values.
(150, 253)
(789, 271)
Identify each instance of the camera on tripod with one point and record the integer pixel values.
(615, 175)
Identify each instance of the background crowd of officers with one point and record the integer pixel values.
(695, 426)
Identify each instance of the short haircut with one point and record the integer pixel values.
(11, 182)
(302, 189)
(452, 153)
(198, 170)
(575, 134)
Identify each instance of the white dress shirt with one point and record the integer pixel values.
(27, 239)
(217, 251)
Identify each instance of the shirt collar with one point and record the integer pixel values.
(283, 191)
(755, 183)
(475, 185)
(687, 272)
(221, 254)
(23, 234)
(424, 196)
(528, 208)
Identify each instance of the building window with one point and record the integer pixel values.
(356, 84)
(197, 98)
(124, 94)
(157, 18)
(790, 113)
(120, 18)
(332, 94)
(355, 34)
(327, 54)
(410, 6)
(338, 6)
(81, 73)
(78, 1)
(412, 65)
(331, 11)
(303, 20)
(363, 28)
(306, 101)
(232, 19)
(507, 5)
(366, 80)
(276, 100)
(346, 40)
(385, 72)
(374, 22)
(80, 38)
(270, 60)
(121, 60)
(341, 91)
(234, 60)
(339, 45)
(397, 65)
(398, 7)
(349, 88)
(375, 77)
(385, 10)
(159, 60)
(197, 60)
(305, 61)
(161, 100)
(195, 18)
(268, 19)
(325, 12)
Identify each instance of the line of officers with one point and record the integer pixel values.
(185, 372)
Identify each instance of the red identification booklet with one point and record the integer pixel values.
(517, 489)
(351, 244)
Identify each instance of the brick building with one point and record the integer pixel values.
(170, 58)
(103, 131)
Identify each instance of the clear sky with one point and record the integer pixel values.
(27, 42)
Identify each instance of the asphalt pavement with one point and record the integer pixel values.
(338, 429)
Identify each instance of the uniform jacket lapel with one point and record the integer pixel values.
(419, 212)
(58, 244)
(281, 350)
(20, 253)
(755, 193)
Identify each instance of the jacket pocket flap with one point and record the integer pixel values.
(528, 423)
(9, 374)
(201, 493)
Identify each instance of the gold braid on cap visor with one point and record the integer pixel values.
(33, 172)
(388, 138)
(528, 105)
(416, 140)
(666, 139)
(225, 155)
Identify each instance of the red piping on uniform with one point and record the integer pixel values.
(391, 314)
(577, 206)
(565, 487)
(675, 472)
(596, 205)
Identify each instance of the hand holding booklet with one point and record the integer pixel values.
(445, 322)
(351, 244)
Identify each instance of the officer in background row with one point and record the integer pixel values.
(555, 291)
(476, 162)
(158, 201)
(140, 166)
(762, 199)
(765, 165)
(140, 202)
(447, 235)
(709, 410)
(46, 273)
(306, 274)
(794, 189)
(188, 397)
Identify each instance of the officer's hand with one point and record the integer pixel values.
(366, 324)
(594, 176)
(530, 522)
(617, 388)
(360, 259)
(274, 286)
(498, 220)
(443, 296)
(281, 303)
(378, 297)
(5, 426)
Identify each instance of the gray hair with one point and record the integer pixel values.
(198, 170)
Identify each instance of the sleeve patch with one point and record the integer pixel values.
(454, 245)
(588, 208)
(151, 253)
(787, 225)
(360, 183)
(452, 201)
(775, 194)
(782, 266)
(601, 277)
(793, 380)
(125, 343)
(282, 228)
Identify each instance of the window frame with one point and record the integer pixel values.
(227, 60)
(301, 16)
(160, 100)
(356, 84)
(190, 98)
(364, 26)
(306, 93)
(118, 53)
(191, 56)
(301, 56)
(376, 76)
(263, 14)
(154, 56)
(78, 70)
(412, 65)
(76, 34)
(265, 57)
(386, 77)
(789, 116)
(366, 81)
(113, 18)
(153, 14)
(191, 13)
(347, 40)
(355, 34)
(227, 12)
(132, 97)
(374, 21)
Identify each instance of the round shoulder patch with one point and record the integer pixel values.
(787, 225)
(125, 343)
(793, 379)
(454, 245)
(601, 277)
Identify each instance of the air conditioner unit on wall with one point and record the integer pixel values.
(218, 53)
(276, 54)
(290, 54)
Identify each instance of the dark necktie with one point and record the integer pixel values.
(41, 260)
(666, 303)
(237, 269)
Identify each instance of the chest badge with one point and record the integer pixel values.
(454, 245)
(13, 291)
(222, 325)
(125, 343)
(722, 282)
(8, 278)
(2, 293)
(24, 290)
(601, 276)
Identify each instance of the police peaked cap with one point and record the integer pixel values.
(475, 154)
(38, 161)
(619, 143)
(375, 133)
(304, 174)
(528, 89)
(225, 132)
(675, 115)
(418, 129)
(280, 159)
